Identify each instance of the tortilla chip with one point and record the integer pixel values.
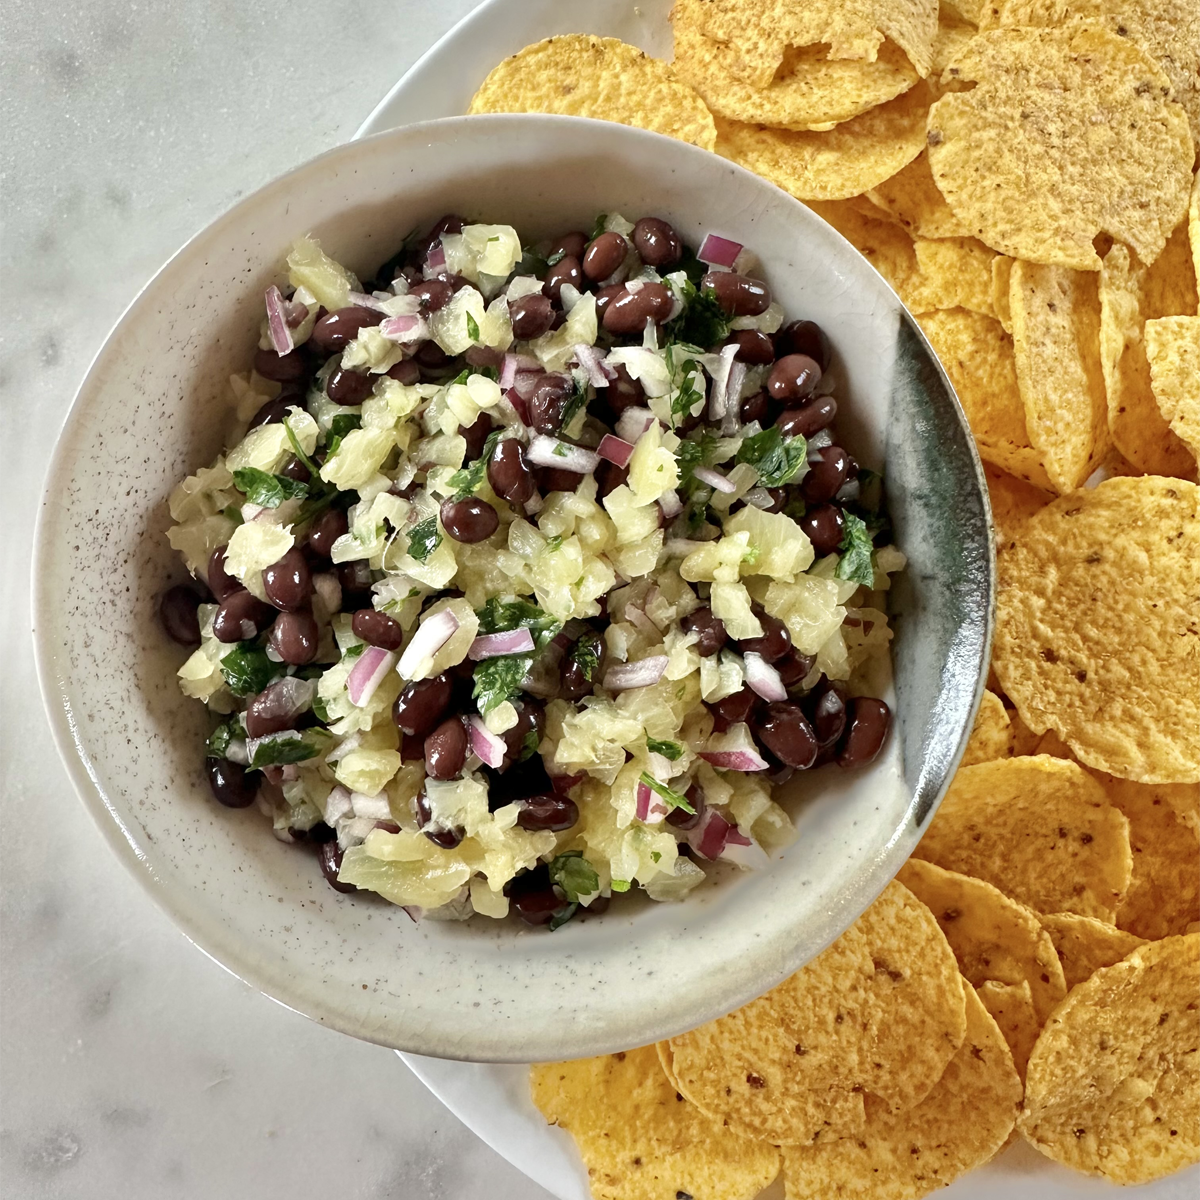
(850, 159)
(1011, 1007)
(952, 273)
(881, 1010)
(1002, 267)
(1055, 317)
(759, 31)
(663, 1050)
(1139, 429)
(639, 1139)
(978, 357)
(952, 35)
(1113, 1082)
(1173, 350)
(580, 75)
(969, 10)
(959, 1125)
(1085, 945)
(881, 242)
(991, 735)
(1194, 226)
(912, 198)
(1055, 176)
(1184, 798)
(1040, 829)
(1025, 741)
(808, 91)
(1050, 743)
(1098, 626)
(1013, 502)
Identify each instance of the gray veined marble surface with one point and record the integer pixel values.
(130, 1065)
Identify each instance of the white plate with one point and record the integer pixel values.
(491, 1100)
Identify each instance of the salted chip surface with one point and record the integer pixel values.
(978, 357)
(991, 735)
(1055, 314)
(1194, 226)
(1173, 351)
(850, 159)
(881, 242)
(1002, 267)
(1040, 829)
(1098, 626)
(809, 90)
(579, 75)
(639, 1139)
(951, 273)
(1085, 945)
(963, 1121)
(1010, 1005)
(1013, 502)
(992, 936)
(1113, 1084)
(1054, 144)
(1129, 295)
(880, 1011)
(761, 30)
(912, 198)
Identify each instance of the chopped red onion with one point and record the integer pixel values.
(615, 450)
(485, 743)
(363, 300)
(636, 617)
(337, 805)
(718, 398)
(527, 380)
(588, 357)
(650, 808)
(436, 258)
(734, 750)
(762, 678)
(733, 388)
(624, 677)
(707, 838)
(550, 452)
(368, 672)
(759, 497)
(633, 422)
(489, 645)
(671, 504)
(277, 326)
(743, 851)
(432, 635)
(718, 251)
(519, 403)
(294, 313)
(508, 372)
(714, 479)
(405, 328)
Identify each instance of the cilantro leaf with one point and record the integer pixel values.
(529, 745)
(341, 425)
(684, 399)
(855, 563)
(670, 798)
(554, 543)
(265, 489)
(561, 917)
(692, 267)
(465, 480)
(598, 227)
(702, 322)
(499, 616)
(424, 538)
(472, 328)
(532, 263)
(585, 651)
(575, 875)
(247, 669)
(776, 459)
(298, 451)
(499, 679)
(576, 401)
(218, 742)
(671, 751)
(692, 453)
(279, 751)
(462, 376)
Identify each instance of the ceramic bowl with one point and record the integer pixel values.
(155, 406)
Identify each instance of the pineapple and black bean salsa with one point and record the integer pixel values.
(530, 571)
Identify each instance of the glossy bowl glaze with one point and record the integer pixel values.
(155, 406)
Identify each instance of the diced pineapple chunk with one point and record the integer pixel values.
(367, 771)
(254, 546)
(330, 283)
(361, 453)
(808, 607)
(653, 469)
(778, 546)
(731, 602)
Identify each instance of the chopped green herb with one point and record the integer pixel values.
(269, 491)
(553, 260)
(281, 751)
(692, 453)
(462, 376)
(685, 398)
(575, 875)
(529, 745)
(672, 799)
(472, 328)
(620, 885)
(353, 652)
(494, 239)
(298, 451)
(341, 425)
(320, 711)
(560, 450)
(499, 679)
(776, 459)
(424, 538)
(855, 563)
(499, 616)
(234, 513)
(465, 480)
(561, 917)
(702, 322)
(655, 856)
(692, 267)
(669, 750)
(598, 227)
(795, 507)
(218, 741)
(586, 653)
(532, 263)
(554, 543)
(247, 669)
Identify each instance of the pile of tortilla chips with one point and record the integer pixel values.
(1023, 173)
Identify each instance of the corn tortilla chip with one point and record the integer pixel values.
(850, 159)
(1085, 945)
(952, 35)
(901, 1156)
(1173, 350)
(1055, 317)
(808, 91)
(991, 736)
(760, 30)
(1194, 227)
(1002, 267)
(1113, 1085)
(881, 242)
(992, 936)
(1013, 502)
(1011, 1007)
(663, 1050)
(583, 76)
(951, 273)
(1040, 829)
(1025, 741)
(1056, 176)
(978, 357)
(1098, 626)
(639, 1139)
(1184, 798)
(881, 1010)
(1050, 743)
(912, 198)
(969, 10)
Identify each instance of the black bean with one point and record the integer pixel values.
(566, 270)
(774, 642)
(433, 294)
(288, 583)
(738, 295)
(446, 749)
(710, 628)
(476, 434)
(754, 347)
(570, 245)
(270, 712)
(755, 408)
(538, 908)
(450, 223)
(220, 582)
(431, 357)
(329, 855)
(657, 242)
(779, 499)
(317, 835)
(555, 479)
(469, 520)
(508, 473)
(295, 637)
(355, 580)
(680, 818)
(804, 337)
(823, 525)
(868, 722)
(405, 371)
(293, 468)
(240, 616)
(273, 412)
(826, 708)
(531, 316)
(609, 477)
(629, 311)
(793, 378)
(549, 402)
(811, 417)
(421, 705)
(786, 733)
(555, 813)
(348, 387)
(624, 391)
(282, 368)
(232, 785)
(531, 719)
(336, 330)
(605, 296)
(604, 256)
(582, 666)
(325, 530)
(446, 838)
(177, 612)
(828, 470)
(794, 667)
(377, 629)
(733, 710)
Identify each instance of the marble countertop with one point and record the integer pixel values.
(130, 1065)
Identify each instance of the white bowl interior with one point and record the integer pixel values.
(155, 407)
